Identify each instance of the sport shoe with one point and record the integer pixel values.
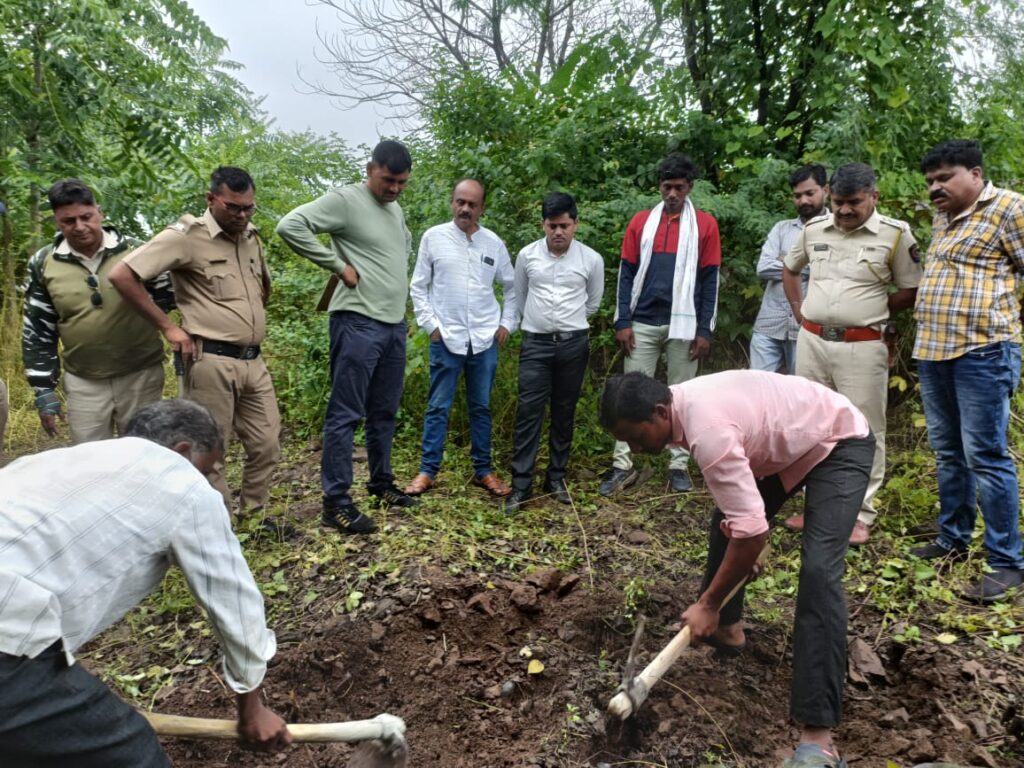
(679, 481)
(347, 519)
(994, 586)
(392, 496)
(935, 551)
(616, 480)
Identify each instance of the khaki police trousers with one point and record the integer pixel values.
(859, 370)
(651, 340)
(240, 396)
(96, 406)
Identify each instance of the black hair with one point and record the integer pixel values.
(69, 192)
(631, 397)
(169, 422)
(677, 166)
(814, 171)
(392, 155)
(557, 203)
(965, 152)
(852, 178)
(235, 179)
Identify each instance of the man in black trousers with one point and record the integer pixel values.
(559, 283)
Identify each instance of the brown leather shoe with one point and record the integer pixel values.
(493, 485)
(420, 484)
(860, 534)
(795, 523)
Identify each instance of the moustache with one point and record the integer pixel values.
(938, 194)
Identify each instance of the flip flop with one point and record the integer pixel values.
(813, 756)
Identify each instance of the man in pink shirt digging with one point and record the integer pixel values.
(758, 438)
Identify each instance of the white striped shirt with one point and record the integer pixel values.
(452, 287)
(87, 532)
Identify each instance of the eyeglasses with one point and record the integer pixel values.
(97, 297)
(237, 210)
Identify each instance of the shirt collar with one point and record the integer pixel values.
(678, 434)
(872, 225)
(215, 229)
(543, 243)
(988, 192)
(110, 240)
(462, 236)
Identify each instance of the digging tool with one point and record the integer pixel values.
(384, 736)
(634, 690)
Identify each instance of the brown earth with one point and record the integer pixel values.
(448, 654)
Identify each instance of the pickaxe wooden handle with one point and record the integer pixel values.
(386, 728)
(634, 692)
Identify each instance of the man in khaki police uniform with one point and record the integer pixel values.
(855, 255)
(113, 359)
(222, 285)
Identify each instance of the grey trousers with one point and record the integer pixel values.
(834, 491)
(55, 716)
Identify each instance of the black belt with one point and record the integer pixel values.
(557, 335)
(224, 349)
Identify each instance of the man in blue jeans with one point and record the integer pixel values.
(968, 352)
(453, 295)
(368, 259)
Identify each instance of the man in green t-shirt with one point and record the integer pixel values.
(369, 251)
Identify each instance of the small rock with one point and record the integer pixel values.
(566, 632)
(430, 616)
(483, 602)
(979, 726)
(896, 717)
(971, 669)
(507, 689)
(922, 751)
(433, 664)
(568, 584)
(525, 599)
(545, 579)
(638, 537)
(983, 754)
(492, 692)
(407, 596)
(377, 631)
(666, 727)
(957, 724)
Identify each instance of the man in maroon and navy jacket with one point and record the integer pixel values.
(667, 299)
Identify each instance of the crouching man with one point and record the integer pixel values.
(758, 438)
(85, 534)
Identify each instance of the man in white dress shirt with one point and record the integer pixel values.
(559, 283)
(85, 534)
(453, 296)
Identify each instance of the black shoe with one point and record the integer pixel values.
(557, 489)
(347, 519)
(936, 551)
(514, 501)
(994, 586)
(277, 529)
(393, 496)
(616, 479)
(679, 481)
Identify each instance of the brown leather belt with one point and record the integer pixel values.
(838, 333)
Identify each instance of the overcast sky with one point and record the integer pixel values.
(271, 39)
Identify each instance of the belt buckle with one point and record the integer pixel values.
(833, 333)
(558, 336)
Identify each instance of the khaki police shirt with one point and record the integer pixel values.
(851, 271)
(218, 282)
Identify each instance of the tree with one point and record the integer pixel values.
(392, 51)
(107, 91)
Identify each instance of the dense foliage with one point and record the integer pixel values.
(136, 98)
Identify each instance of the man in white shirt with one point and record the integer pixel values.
(559, 283)
(453, 296)
(85, 534)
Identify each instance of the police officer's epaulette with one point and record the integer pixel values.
(185, 223)
(899, 224)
